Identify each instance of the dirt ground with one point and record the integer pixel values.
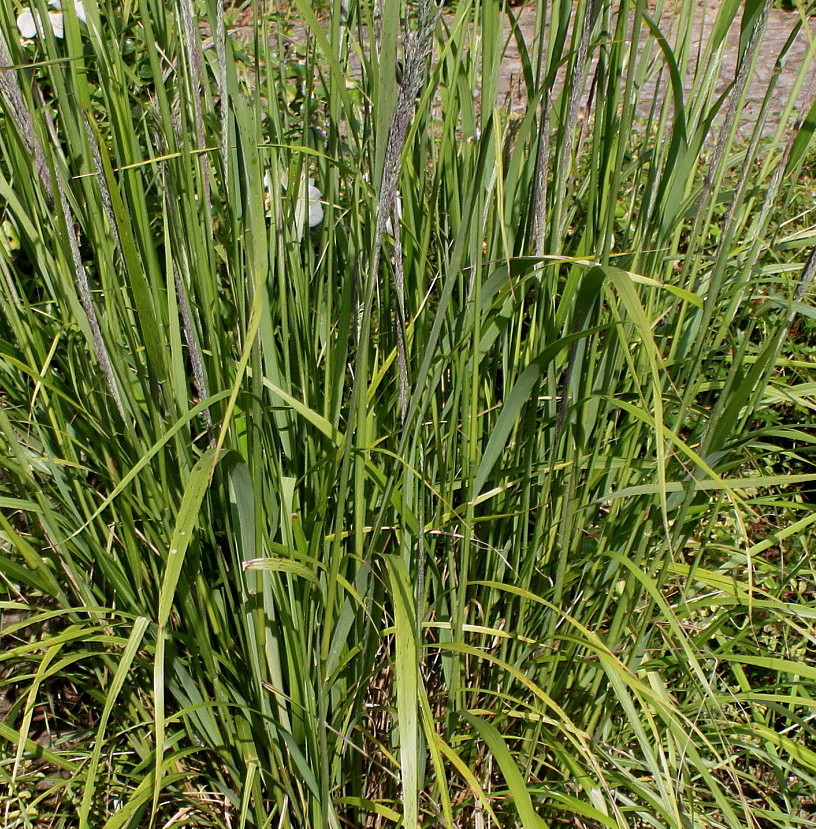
(778, 28)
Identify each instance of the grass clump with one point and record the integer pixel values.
(486, 501)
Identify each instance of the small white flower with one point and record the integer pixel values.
(57, 25)
(310, 201)
(26, 25)
(315, 207)
(29, 23)
(79, 9)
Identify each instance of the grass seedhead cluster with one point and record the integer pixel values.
(484, 500)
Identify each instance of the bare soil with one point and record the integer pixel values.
(778, 28)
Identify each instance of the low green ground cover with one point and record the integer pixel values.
(473, 487)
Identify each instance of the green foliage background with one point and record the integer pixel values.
(486, 502)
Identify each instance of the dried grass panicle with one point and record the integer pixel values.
(196, 359)
(737, 91)
(402, 354)
(104, 190)
(805, 280)
(223, 95)
(83, 288)
(192, 45)
(543, 149)
(20, 115)
(567, 132)
(417, 50)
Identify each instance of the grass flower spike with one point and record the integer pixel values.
(315, 207)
